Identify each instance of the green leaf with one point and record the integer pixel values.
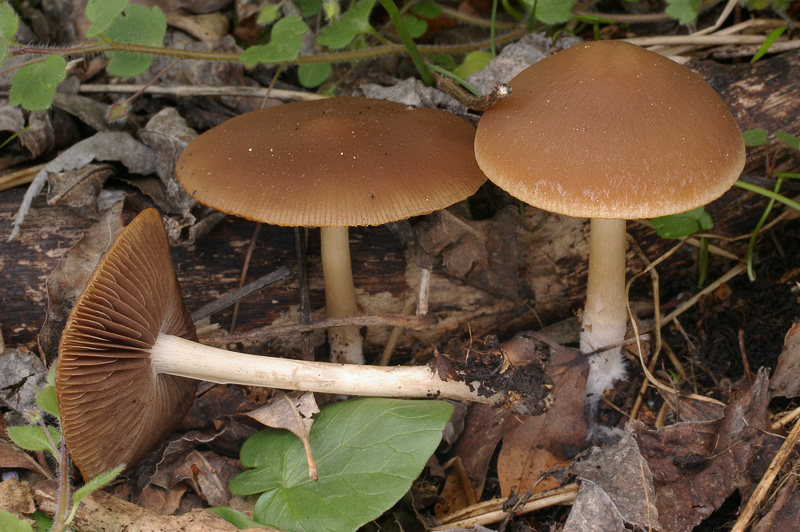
(416, 27)
(684, 11)
(47, 400)
(269, 14)
(43, 522)
(427, 9)
(755, 137)
(368, 452)
(97, 482)
(237, 519)
(9, 22)
(138, 25)
(684, 224)
(352, 23)
(473, 62)
(284, 44)
(790, 140)
(10, 523)
(308, 7)
(313, 75)
(552, 11)
(34, 85)
(32, 437)
(101, 13)
(769, 41)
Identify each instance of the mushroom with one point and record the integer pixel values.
(128, 357)
(333, 164)
(609, 131)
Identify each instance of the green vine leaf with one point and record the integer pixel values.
(137, 25)
(427, 9)
(684, 224)
(368, 452)
(101, 14)
(236, 518)
(473, 62)
(308, 8)
(269, 14)
(416, 26)
(788, 139)
(34, 85)
(755, 137)
(284, 44)
(313, 75)
(354, 22)
(10, 523)
(552, 11)
(9, 24)
(684, 11)
(33, 438)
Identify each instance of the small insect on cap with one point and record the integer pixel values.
(609, 130)
(333, 163)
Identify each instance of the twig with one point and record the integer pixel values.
(492, 511)
(761, 491)
(203, 90)
(245, 267)
(415, 323)
(232, 297)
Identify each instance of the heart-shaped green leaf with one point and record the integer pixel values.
(367, 451)
(138, 25)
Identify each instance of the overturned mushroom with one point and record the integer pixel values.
(333, 164)
(127, 357)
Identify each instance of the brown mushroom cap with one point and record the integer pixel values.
(609, 130)
(132, 296)
(333, 163)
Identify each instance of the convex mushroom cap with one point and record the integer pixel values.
(610, 130)
(338, 162)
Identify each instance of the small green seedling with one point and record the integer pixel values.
(45, 437)
(367, 451)
(685, 224)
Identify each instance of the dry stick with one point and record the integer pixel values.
(415, 323)
(232, 297)
(488, 512)
(706, 40)
(657, 316)
(20, 177)
(204, 90)
(785, 419)
(733, 272)
(394, 336)
(245, 267)
(300, 244)
(762, 490)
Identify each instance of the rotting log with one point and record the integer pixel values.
(553, 259)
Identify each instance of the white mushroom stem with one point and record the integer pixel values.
(340, 295)
(605, 315)
(177, 356)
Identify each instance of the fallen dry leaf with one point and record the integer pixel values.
(103, 146)
(784, 512)
(66, 283)
(532, 446)
(79, 189)
(616, 490)
(785, 380)
(696, 466)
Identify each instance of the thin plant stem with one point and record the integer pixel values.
(769, 194)
(408, 42)
(334, 57)
(493, 47)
